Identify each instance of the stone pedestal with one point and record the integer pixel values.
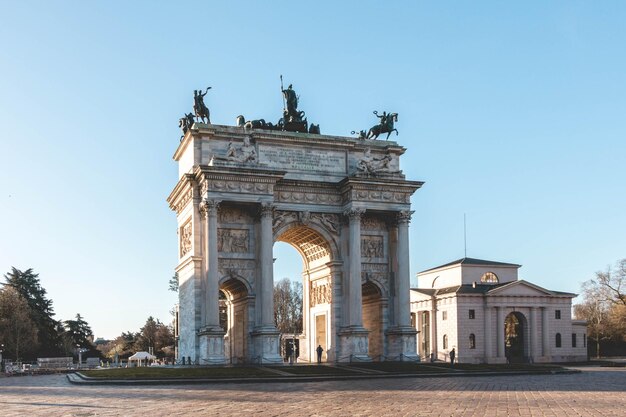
(267, 346)
(353, 345)
(402, 344)
(211, 346)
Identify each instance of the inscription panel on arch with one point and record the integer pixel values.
(301, 159)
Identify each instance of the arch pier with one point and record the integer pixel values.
(343, 203)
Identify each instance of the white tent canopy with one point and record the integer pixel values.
(141, 356)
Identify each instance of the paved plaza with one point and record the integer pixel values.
(594, 392)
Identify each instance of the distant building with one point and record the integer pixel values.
(488, 315)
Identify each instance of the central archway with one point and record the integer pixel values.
(316, 251)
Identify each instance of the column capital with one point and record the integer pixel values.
(209, 207)
(354, 214)
(404, 216)
(266, 210)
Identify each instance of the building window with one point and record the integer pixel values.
(558, 340)
(584, 339)
(472, 340)
(444, 315)
(573, 339)
(445, 342)
(557, 314)
(472, 314)
(489, 278)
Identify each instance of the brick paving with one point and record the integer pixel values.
(594, 392)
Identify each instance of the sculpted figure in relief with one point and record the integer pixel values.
(246, 153)
(185, 239)
(233, 241)
(372, 247)
(369, 164)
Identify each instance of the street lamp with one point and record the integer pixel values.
(1, 363)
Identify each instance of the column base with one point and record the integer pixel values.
(353, 345)
(211, 340)
(266, 341)
(402, 344)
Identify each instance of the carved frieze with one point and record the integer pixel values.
(233, 240)
(282, 217)
(377, 196)
(240, 186)
(372, 223)
(372, 246)
(184, 200)
(320, 294)
(292, 196)
(185, 238)
(229, 214)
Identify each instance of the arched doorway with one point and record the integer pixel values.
(514, 338)
(317, 287)
(373, 319)
(234, 319)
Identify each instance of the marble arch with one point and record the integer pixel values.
(342, 202)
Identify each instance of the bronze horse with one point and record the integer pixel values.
(385, 126)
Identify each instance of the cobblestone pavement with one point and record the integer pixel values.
(594, 392)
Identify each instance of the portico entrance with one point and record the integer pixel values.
(514, 340)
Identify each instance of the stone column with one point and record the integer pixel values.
(211, 336)
(488, 334)
(532, 333)
(265, 335)
(211, 296)
(354, 338)
(403, 279)
(545, 330)
(355, 298)
(401, 338)
(500, 331)
(434, 343)
(267, 267)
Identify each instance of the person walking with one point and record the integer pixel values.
(452, 356)
(319, 351)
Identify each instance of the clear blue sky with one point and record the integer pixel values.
(511, 112)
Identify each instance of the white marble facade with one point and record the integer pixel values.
(343, 203)
(482, 310)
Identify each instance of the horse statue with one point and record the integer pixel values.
(315, 129)
(386, 125)
(199, 108)
(361, 134)
(252, 124)
(185, 123)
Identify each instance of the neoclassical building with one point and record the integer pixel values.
(342, 202)
(482, 310)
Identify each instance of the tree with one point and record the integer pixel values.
(288, 306)
(17, 330)
(173, 283)
(27, 284)
(157, 336)
(604, 305)
(79, 332)
(612, 283)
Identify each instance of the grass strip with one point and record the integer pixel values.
(196, 372)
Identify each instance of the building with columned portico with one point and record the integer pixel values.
(488, 315)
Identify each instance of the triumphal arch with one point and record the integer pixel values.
(342, 202)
